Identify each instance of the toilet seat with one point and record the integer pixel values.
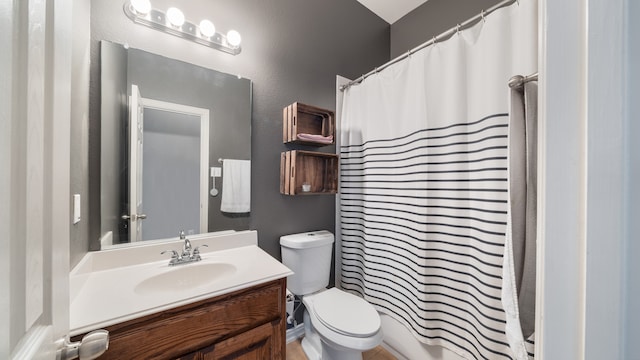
(339, 338)
(346, 313)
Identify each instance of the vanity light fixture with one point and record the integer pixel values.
(175, 17)
(207, 28)
(233, 38)
(141, 7)
(173, 22)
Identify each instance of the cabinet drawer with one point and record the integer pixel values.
(188, 328)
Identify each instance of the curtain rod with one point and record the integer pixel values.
(444, 36)
(518, 81)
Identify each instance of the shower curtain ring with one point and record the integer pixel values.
(458, 29)
(482, 14)
(435, 40)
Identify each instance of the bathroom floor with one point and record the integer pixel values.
(294, 352)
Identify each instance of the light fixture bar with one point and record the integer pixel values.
(157, 19)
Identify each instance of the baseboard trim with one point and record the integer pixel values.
(393, 351)
(295, 333)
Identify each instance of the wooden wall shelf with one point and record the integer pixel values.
(318, 171)
(308, 125)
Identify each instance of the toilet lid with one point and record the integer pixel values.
(346, 313)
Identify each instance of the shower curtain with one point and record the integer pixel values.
(424, 185)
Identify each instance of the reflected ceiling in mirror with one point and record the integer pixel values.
(191, 92)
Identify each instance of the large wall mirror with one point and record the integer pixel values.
(167, 127)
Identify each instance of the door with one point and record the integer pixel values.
(175, 175)
(136, 132)
(34, 177)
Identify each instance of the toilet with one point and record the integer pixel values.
(337, 325)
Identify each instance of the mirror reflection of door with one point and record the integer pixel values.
(136, 126)
(169, 170)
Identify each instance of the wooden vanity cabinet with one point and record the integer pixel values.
(245, 324)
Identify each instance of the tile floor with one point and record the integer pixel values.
(294, 352)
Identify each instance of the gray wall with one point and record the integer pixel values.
(113, 135)
(79, 177)
(292, 51)
(431, 19)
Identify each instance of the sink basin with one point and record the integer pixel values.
(183, 278)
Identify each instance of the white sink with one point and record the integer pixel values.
(117, 285)
(184, 277)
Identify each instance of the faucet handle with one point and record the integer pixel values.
(174, 254)
(182, 236)
(196, 251)
(175, 257)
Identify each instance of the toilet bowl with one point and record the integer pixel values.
(346, 324)
(338, 325)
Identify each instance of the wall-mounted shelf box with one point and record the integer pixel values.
(317, 171)
(301, 119)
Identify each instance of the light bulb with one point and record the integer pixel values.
(175, 16)
(207, 28)
(141, 7)
(233, 38)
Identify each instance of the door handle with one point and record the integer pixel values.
(90, 347)
(134, 217)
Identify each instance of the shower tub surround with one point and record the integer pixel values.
(121, 284)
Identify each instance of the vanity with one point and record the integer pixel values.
(231, 304)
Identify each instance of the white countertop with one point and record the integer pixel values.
(103, 283)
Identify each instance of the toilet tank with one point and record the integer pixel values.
(308, 255)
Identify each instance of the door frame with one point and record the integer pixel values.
(136, 139)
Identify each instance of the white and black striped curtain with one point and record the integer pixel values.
(423, 184)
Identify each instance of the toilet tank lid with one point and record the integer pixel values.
(307, 240)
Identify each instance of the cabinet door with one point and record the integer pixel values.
(255, 344)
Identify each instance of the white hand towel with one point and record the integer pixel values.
(236, 186)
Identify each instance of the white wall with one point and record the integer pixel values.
(80, 182)
(583, 98)
(605, 193)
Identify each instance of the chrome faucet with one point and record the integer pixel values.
(188, 255)
(186, 249)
